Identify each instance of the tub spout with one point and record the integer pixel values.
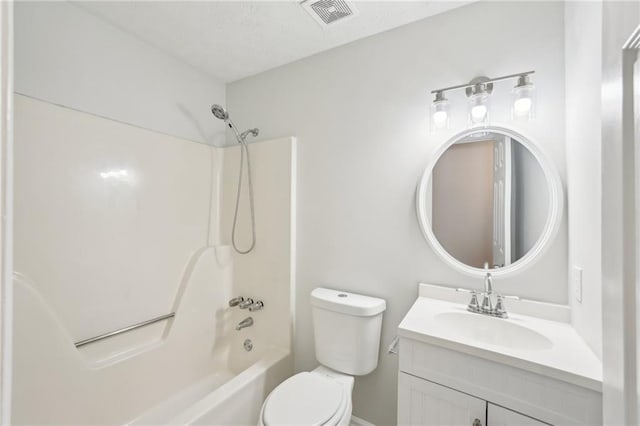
(247, 322)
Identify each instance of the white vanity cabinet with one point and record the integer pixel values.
(499, 416)
(421, 402)
(441, 386)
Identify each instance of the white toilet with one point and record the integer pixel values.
(347, 339)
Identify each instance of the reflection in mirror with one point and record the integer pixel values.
(489, 200)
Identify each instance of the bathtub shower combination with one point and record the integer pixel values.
(131, 307)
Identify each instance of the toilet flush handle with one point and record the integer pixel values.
(393, 347)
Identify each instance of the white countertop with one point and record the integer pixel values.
(566, 358)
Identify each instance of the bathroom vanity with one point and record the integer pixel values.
(490, 203)
(463, 368)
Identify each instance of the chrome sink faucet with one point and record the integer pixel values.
(487, 307)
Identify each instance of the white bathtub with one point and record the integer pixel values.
(228, 397)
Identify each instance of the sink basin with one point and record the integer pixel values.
(489, 330)
(546, 344)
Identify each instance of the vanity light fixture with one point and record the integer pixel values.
(523, 99)
(478, 95)
(439, 112)
(478, 91)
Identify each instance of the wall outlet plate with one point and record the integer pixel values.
(576, 282)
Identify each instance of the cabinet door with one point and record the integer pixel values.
(421, 402)
(498, 416)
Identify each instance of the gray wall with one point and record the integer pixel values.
(66, 56)
(583, 59)
(360, 115)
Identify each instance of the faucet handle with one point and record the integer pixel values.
(235, 301)
(473, 305)
(256, 306)
(245, 303)
(500, 311)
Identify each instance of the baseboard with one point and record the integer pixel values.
(357, 421)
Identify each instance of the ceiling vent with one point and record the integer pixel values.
(329, 12)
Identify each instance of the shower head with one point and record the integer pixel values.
(222, 114)
(219, 112)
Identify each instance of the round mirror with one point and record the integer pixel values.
(489, 199)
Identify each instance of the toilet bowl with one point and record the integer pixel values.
(321, 397)
(347, 340)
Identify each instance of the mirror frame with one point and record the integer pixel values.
(554, 214)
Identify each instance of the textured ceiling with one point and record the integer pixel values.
(232, 40)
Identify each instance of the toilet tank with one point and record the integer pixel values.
(346, 329)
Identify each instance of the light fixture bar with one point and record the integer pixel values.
(491, 80)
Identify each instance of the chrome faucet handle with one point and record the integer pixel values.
(245, 303)
(500, 311)
(235, 301)
(473, 305)
(256, 306)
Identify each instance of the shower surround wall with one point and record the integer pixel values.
(108, 73)
(119, 222)
(360, 114)
(104, 226)
(111, 229)
(263, 273)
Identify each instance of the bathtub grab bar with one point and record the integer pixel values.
(123, 330)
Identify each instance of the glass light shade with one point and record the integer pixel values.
(479, 109)
(523, 105)
(439, 115)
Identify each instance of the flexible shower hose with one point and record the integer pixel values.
(244, 151)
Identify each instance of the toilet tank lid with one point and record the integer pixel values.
(347, 303)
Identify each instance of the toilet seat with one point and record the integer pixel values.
(308, 399)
